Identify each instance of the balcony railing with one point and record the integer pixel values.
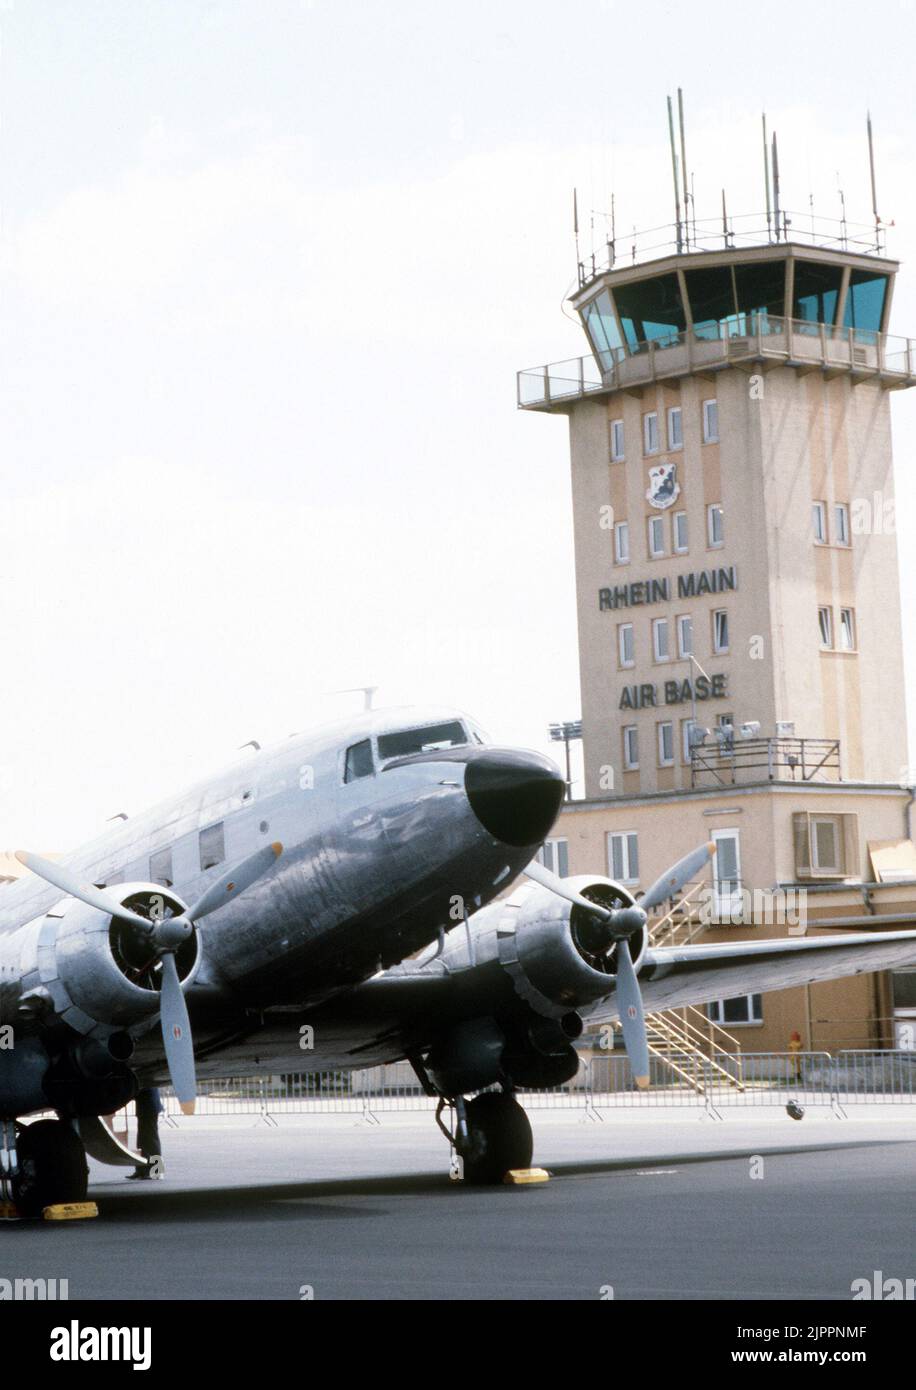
(724, 761)
(760, 338)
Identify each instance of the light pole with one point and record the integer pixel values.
(564, 733)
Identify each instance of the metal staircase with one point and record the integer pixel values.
(698, 1052)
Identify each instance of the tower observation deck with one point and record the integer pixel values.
(672, 303)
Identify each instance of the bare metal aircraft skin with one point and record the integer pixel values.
(295, 891)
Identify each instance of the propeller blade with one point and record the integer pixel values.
(673, 879)
(556, 885)
(235, 881)
(176, 1034)
(87, 893)
(632, 1018)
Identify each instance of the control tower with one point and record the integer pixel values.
(733, 506)
(737, 584)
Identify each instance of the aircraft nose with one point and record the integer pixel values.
(514, 794)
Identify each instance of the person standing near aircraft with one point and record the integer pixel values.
(149, 1108)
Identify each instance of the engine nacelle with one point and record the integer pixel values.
(554, 950)
(97, 973)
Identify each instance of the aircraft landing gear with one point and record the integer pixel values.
(51, 1167)
(492, 1136)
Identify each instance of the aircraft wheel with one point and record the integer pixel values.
(52, 1166)
(499, 1138)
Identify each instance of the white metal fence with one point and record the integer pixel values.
(603, 1082)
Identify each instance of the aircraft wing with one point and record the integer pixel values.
(678, 975)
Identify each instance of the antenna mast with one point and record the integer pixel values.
(874, 196)
(674, 172)
(776, 185)
(766, 175)
(680, 112)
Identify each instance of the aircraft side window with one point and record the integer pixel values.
(212, 846)
(160, 868)
(358, 762)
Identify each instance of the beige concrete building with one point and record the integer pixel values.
(738, 601)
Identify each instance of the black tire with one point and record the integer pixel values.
(499, 1138)
(52, 1166)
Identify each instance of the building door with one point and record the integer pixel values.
(726, 871)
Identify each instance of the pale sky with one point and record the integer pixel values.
(267, 272)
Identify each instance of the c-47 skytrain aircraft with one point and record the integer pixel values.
(296, 889)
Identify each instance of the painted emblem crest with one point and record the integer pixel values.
(664, 488)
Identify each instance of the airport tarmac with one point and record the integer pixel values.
(648, 1206)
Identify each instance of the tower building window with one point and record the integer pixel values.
(841, 523)
(617, 441)
(630, 747)
(665, 744)
(715, 525)
(679, 522)
(660, 646)
(819, 522)
(675, 428)
(720, 631)
(847, 630)
(622, 543)
(650, 433)
(710, 422)
(825, 626)
(685, 635)
(625, 645)
(657, 536)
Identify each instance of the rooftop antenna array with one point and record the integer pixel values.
(779, 222)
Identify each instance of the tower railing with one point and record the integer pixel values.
(767, 339)
(734, 232)
(726, 761)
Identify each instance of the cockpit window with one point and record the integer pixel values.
(358, 762)
(428, 739)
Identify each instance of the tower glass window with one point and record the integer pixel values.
(622, 542)
(650, 433)
(675, 428)
(602, 330)
(825, 627)
(625, 644)
(817, 289)
(865, 303)
(841, 523)
(660, 639)
(685, 635)
(761, 294)
(720, 631)
(665, 744)
(650, 311)
(715, 525)
(711, 292)
(630, 747)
